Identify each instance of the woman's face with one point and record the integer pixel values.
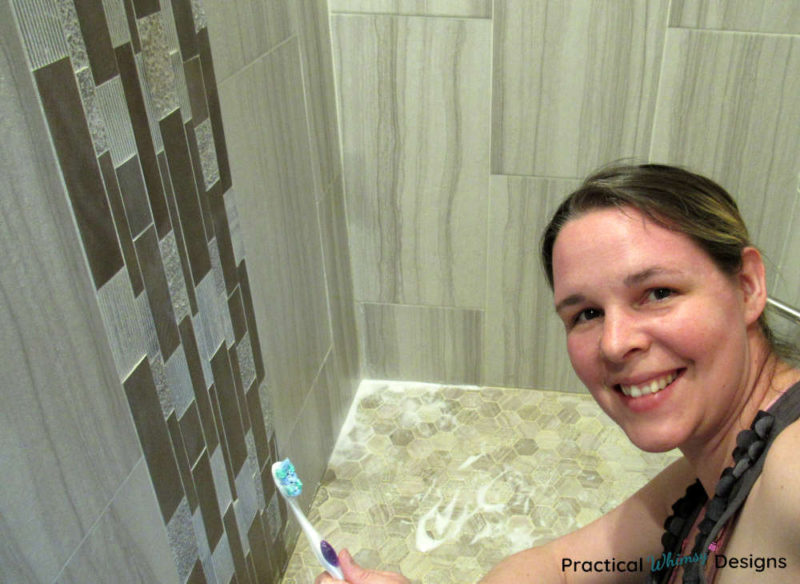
(654, 329)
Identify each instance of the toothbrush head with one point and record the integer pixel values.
(286, 478)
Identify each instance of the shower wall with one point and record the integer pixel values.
(177, 303)
(465, 122)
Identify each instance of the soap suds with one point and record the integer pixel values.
(441, 523)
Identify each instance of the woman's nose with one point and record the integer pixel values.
(622, 335)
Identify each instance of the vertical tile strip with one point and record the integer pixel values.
(229, 408)
(155, 282)
(145, 7)
(186, 196)
(207, 499)
(183, 255)
(134, 197)
(94, 29)
(242, 576)
(198, 383)
(73, 144)
(184, 22)
(214, 110)
(143, 137)
(41, 30)
(154, 438)
(110, 98)
(121, 221)
(196, 89)
(117, 22)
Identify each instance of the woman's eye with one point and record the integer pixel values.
(659, 293)
(586, 314)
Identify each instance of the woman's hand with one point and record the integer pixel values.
(355, 574)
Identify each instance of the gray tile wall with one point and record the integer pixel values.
(152, 370)
(464, 123)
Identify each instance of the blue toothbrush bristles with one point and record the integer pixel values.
(290, 482)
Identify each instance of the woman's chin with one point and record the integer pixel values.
(650, 441)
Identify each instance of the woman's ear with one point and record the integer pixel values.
(753, 282)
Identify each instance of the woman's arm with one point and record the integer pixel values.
(608, 549)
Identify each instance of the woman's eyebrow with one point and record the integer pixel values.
(570, 301)
(646, 274)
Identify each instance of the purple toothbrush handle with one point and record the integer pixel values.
(329, 553)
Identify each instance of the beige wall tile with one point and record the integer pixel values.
(524, 341)
(574, 83)
(465, 8)
(267, 137)
(785, 266)
(129, 535)
(728, 109)
(66, 434)
(315, 47)
(414, 96)
(416, 342)
(779, 16)
(340, 300)
(243, 30)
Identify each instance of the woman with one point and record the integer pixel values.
(662, 297)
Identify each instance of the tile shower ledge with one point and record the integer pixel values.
(441, 482)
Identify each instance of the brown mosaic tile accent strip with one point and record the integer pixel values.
(130, 15)
(259, 552)
(154, 436)
(192, 433)
(237, 551)
(157, 65)
(144, 141)
(184, 23)
(145, 7)
(117, 22)
(184, 186)
(196, 89)
(155, 282)
(94, 117)
(197, 576)
(197, 169)
(214, 111)
(134, 196)
(222, 228)
(75, 151)
(94, 29)
(229, 408)
(183, 255)
(72, 33)
(121, 222)
(236, 309)
(207, 499)
(244, 282)
(184, 467)
(111, 104)
(202, 399)
(223, 472)
(40, 25)
(130, 97)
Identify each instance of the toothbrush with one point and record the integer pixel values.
(290, 486)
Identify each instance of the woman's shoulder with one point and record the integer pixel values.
(782, 465)
(777, 493)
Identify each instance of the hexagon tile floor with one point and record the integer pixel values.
(441, 482)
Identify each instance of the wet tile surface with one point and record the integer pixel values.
(442, 482)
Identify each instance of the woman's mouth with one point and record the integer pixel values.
(653, 386)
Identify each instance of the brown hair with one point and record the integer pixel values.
(672, 197)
